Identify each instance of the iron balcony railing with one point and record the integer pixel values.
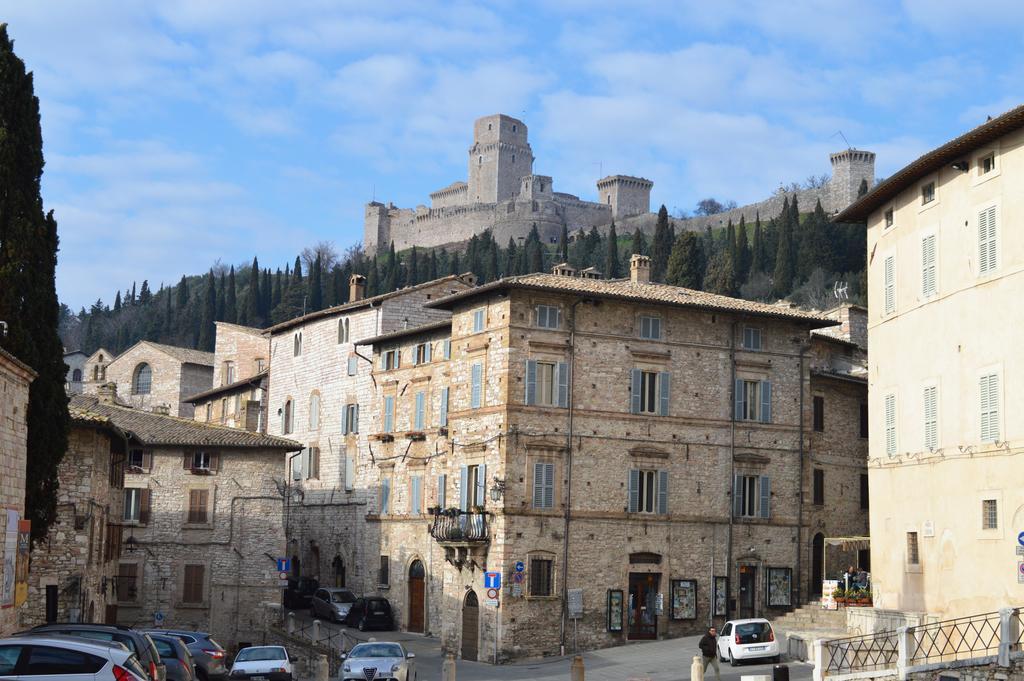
(860, 653)
(956, 639)
(456, 526)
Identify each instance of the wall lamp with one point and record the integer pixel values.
(962, 166)
(497, 489)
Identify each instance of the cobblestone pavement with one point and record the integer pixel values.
(654, 661)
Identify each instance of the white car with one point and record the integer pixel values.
(379, 661)
(742, 640)
(67, 658)
(262, 663)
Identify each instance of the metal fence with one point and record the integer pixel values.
(962, 638)
(860, 653)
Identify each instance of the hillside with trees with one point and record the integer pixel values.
(797, 256)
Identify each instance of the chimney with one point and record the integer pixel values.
(162, 409)
(564, 269)
(640, 269)
(590, 273)
(107, 393)
(356, 287)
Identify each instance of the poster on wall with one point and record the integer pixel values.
(10, 557)
(780, 587)
(684, 599)
(721, 597)
(615, 610)
(828, 596)
(21, 569)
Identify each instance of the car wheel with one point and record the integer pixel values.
(732, 661)
(362, 624)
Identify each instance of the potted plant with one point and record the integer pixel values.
(839, 595)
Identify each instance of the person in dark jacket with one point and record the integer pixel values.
(709, 649)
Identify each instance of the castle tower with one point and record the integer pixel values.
(625, 194)
(499, 158)
(849, 167)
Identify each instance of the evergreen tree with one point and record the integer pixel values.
(814, 248)
(534, 252)
(721, 275)
(117, 301)
(491, 270)
(511, 259)
(390, 274)
(231, 299)
(595, 255)
(222, 287)
(372, 279)
(612, 268)
(207, 330)
(563, 244)
(297, 270)
(639, 245)
(339, 283)
(757, 259)
(252, 309)
(168, 318)
(661, 246)
(686, 263)
(28, 296)
(278, 288)
(454, 268)
(743, 254)
(863, 188)
(413, 274)
(785, 261)
(182, 293)
(316, 285)
(145, 295)
(432, 266)
(131, 300)
(266, 293)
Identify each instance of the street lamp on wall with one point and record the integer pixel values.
(497, 489)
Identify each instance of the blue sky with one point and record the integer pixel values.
(182, 132)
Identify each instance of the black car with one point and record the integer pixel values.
(135, 641)
(370, 613)
(299, 592)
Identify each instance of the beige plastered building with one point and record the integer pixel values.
(945, 279)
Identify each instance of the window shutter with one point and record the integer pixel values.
(665, 392)
(188, 460)
(389, 414)
(931, 426)
(214, 461)
(987, 254)
(350, 472)
(563, 384)
(538, 485)
(417, 491)
(442, 412)
(636, 376)
(442, 492)
(420, 408)
(766, 401)
(766, 496)
(476, 388)
(314, 462)
(549, 485)
(989, 392)
(890, 284)
(481, 483)
(464, 488)
(385, 495)
(144, 505)
(447, 348)
(737, 496)
(890, 425)
(738, 397)
(634, 490)
(531, 381)
(354, 425)
(928, 278)
(344, 420)
(147, 461)
(426, 356)
(663, 492)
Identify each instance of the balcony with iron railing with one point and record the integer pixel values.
(464, 535)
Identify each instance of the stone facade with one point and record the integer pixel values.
(72, 577)
(721, 497)
(94, 371)
(238, 398)
(15, 378)
(175, 374)
(76, 375)
(316, 369)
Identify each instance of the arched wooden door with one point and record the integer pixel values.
(417, 580)
(470, 627)
(817, 563)
(338, 567)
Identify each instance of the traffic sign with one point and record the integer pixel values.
(284, 565)
(158, 619)
(520, 566)
(283, 576)
(1020, 538)
(492, 580)
(1020, 573)
(492, 594)
(518, 577)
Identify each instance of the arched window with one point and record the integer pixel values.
(286, 417)
(142, 380)
(76, 376)
(343, 330)
(96, 373)
(314, 411)
(297, 344)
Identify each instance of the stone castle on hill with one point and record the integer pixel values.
(502, 193)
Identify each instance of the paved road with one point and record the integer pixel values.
(657, 661)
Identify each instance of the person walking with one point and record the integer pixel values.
(709, 649)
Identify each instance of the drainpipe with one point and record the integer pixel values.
(800, 499)
(732, 464)
(568, 477)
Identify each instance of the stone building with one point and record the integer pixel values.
(155, 377)
(72, 577)
(319, 382)
(638, 450)
(75, 378)
(946, 278)
(15, 378)
(94, 370)
(202, 512)
(503, 194)
(238, 399)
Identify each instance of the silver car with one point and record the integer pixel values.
(331, 603)
(379, 661)
(68, 658)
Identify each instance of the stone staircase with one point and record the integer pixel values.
(800, 628)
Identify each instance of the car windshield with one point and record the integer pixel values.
(165, 648)
(753, 632)
(127, 641)
(253, 654)
(215, 644)
(343, 597)
(376, 650)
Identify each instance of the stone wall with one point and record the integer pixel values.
(95, 368)
(242, 407)
(78, 558)
(173, 380)
(237, 546)
(15, 379)
(75, 376)
(246, 348)
(195, 378)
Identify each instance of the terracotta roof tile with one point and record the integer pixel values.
(251, 380)
(186, 355)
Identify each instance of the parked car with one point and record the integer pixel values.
(179, 662)
(376, 660)
(209, 656)
(332, 603)
(135, 641)
(750, 639)
(370, 613)
(262, 663)
(69, 658)
(299, 592)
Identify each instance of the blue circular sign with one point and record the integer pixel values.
(1020, 538)
(520, 566)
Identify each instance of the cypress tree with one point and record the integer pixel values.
(757, 259)
(339, 277)
(253, 301)
(454, 268)
(131, 301)
(492, 271)
(661, 245)
(534, 252)
(511, 259)
(222, 288)
(563, 245)
(782, 283)
(28, 296)
(432, 266)
(278, 288)
(231, 302)
(145, 295)
(412, 276)
(639, 245)
(316, 286)
(686, 263)
(168, 314)
(206, 327)
(743, 255)
(182, 292)
(863, 188)
(612, 268)
(372, 279)
(297, 270)
(721, 275)
(117, 301)
(266, 293)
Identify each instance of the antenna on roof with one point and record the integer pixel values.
(839, 290)
(840, 133)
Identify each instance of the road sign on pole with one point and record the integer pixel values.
(492, 580)
(284, 565)
(1020, 538)
(1020, 573)
(520, 566)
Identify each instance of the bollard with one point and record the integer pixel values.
(697, 669)
(291, 623)
(780, 672)
(448, 667)
(316, 631)
(323, 671)
(576, 671)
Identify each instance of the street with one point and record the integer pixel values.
(657, 660)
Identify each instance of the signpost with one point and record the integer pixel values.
(1020, 573)
(492, 583)
(1020, 538)
(158, 619)
(520, 566)
(284, 565)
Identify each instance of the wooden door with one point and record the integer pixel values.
(110, 615)
(470, 627)
(748, 591)
(817, 563)
(643, 605)
(417, 580)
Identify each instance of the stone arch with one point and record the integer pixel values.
(338, 570)
(470, 626)
(416, 575)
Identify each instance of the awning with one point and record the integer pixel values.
(849, 542)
